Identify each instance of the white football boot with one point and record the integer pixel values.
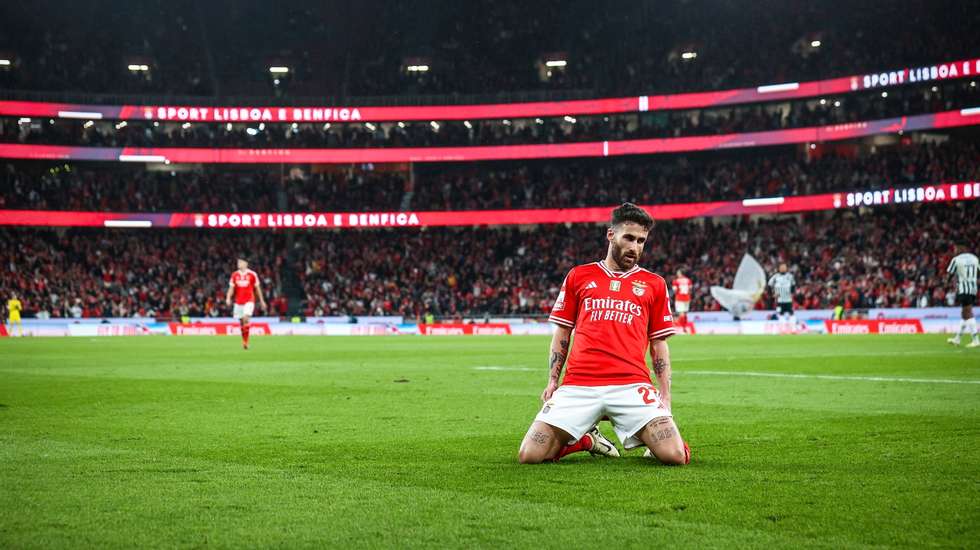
(601, 444)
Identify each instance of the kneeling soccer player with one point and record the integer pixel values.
(616, 309)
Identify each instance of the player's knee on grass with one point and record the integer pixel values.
(541, 444)
(662, 437)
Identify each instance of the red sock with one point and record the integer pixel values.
(583, 444)
(245, 334)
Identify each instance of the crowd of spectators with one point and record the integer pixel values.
(713, 121)
(889, 257)
(730, 175)
(131, 274)
(224, 48)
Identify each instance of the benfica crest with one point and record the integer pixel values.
(614, 286)
(639, 287)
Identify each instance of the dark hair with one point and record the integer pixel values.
(630, 212)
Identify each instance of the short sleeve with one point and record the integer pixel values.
(952, 266)
(565, 310)
(661, 322)
(231, 280)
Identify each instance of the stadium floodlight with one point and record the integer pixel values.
(935, 89)
(435, 126)
(837, 104)
(88, 124)
(186, 125)
(538, 121)
(973, 83)
(279, 70)
(121, 125)
(228, 127)
(137, 68)
(326, 126)
(371, 127)
(689, 55)
(295, 126)
(401, 124)
(884, 94)
(4, 62)
(468, 125)
(815, 44)
(823, 101)
(506, 122)
(570, 119)
(555, 63)
(24, 120)
(261, 126)
(156, 124)
(417, 68)
(251, 131)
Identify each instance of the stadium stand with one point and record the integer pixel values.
(891, 257)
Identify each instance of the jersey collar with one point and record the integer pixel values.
(616, 274)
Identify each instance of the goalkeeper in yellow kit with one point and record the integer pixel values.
(13, 315)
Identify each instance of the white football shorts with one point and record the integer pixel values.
(576, 409)
(681, 307)
(243, 310)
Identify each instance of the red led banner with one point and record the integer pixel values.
(342, 113)
(948, 119)
(966, 191)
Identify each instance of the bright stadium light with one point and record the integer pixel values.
(88, 124)
(24, 120)
(4, 62)
(570, 120)
(468, 125)
(935, 89)
(506, 122)
(884, 94)
(823, 101)
(556, 63)
(279, 70)
(261, 126)
(435, 125)
(689, 55)
(417, 68)
(295, 126)
(136, 68)
(837, 104)
(815, 44)
(371, 127)
(326, 126)
(251, 131)
(538, 121)
(228, 127)
(401, 124)
(121, 125)
(186, 125)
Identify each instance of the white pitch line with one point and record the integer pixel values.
(829, 377)
(522, 369)
(779, 375)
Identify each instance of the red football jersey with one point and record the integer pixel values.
(244, 284)
(682, 289)
(615, 315)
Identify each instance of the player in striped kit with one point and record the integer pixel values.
(965, 266)
(783, 284)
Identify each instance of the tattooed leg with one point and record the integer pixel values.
(663, 439)
(542, 443)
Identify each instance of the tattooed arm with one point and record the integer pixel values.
(661, 368)
(556, 361)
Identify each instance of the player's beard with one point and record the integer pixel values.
(624, 262)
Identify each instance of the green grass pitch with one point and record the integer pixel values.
(412, 442)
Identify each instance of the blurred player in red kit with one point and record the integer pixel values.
(618, 310)
(244, 285)
(682, 297)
